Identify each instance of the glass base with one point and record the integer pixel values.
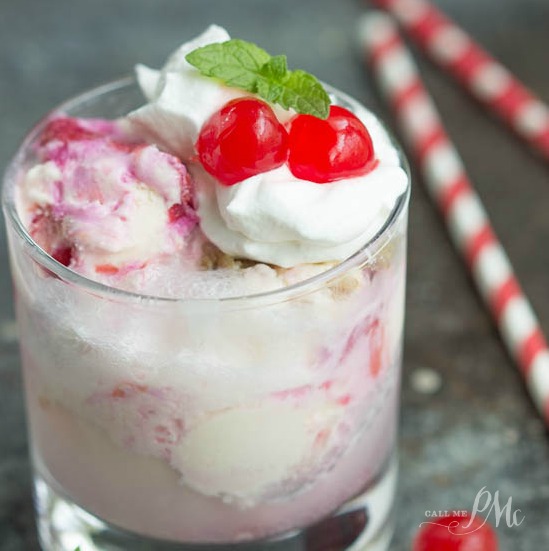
(364, 524)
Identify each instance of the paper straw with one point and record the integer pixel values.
(451, 189)
(485, 78)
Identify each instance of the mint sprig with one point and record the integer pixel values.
(244, 65)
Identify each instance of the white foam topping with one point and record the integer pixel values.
(273, 217)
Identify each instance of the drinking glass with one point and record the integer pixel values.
(263, 422)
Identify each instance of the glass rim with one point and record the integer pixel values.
(69, 276)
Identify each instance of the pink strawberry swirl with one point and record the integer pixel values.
(102, 204)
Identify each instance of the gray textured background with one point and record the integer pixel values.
(480, 429)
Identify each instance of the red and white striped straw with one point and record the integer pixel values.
(485, 78)
(452, 191)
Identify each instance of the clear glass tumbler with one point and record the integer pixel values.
(254, 423)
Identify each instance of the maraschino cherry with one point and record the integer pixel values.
(241, 140)
(324, 151)
(449, 534)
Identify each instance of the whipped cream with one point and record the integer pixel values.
(279, 219)
(273, 217)
(180, 99)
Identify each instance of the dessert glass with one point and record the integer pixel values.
(256, 422)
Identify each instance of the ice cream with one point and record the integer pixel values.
(102, 205)
(259, 415)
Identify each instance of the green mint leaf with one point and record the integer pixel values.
(235, 62)
(276, 68)
(270, 79)
(298, 90)
(244, 65)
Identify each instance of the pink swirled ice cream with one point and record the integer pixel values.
(104, 205)
(238, 424)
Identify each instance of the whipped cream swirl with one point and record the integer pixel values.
(273, 217)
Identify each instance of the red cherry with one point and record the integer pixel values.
(241, 140)
(450, 534)
(328, 150)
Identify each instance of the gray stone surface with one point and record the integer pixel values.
(479, 429)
